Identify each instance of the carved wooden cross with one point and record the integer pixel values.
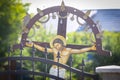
(62, 25)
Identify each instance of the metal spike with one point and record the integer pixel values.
(40, 12)
(86, 28)
(62, 6)
(58, 55)
(87, 14)
(53, 16)
(72, 18)
(26, 19)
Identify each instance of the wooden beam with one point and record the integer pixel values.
(62, 23)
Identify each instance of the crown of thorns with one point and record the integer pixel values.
(58, 39)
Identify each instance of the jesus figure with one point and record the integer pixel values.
(58, 44)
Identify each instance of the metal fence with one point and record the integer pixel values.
(11, 71)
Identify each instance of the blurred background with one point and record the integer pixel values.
(105, 13)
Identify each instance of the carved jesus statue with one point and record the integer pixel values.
(58, 44)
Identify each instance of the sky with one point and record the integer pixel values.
(107, 19)
(79, 4)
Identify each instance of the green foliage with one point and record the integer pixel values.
(11, 15)
(111, 42)
(81, 38)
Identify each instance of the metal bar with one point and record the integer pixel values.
(62, 23)
(83, 69)
(33, 54)
(26, 72)
(21, 48)
(58, 56)
(9, 76)
(45, 63)
(71, 60)
(50, 62)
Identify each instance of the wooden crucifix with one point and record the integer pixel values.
(62, 26)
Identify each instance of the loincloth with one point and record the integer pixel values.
(54, 71)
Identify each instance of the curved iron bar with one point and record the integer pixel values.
(47, 11)
(49, 62)
(78, 21)
(23, 72)
(45, 20)
(57, 9)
